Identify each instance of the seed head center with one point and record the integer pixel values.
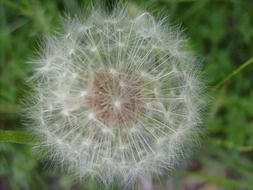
(114, 97)
(117, 104)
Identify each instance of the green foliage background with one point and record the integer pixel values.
(221, 34)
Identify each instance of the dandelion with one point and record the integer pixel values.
(116, 97)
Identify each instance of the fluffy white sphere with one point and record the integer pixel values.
(116, 97)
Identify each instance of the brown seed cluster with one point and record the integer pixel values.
(115, 97)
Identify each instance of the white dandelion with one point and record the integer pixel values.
(116, 97)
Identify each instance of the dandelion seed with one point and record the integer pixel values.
(116, 97)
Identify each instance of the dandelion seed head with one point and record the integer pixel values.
(116, 97)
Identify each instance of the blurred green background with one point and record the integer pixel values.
(221, 34)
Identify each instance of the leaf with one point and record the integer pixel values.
(20, 137)
(236, 71)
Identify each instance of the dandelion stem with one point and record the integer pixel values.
(146, 184)
(236, 71)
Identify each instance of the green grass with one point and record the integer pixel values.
(221, 34)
